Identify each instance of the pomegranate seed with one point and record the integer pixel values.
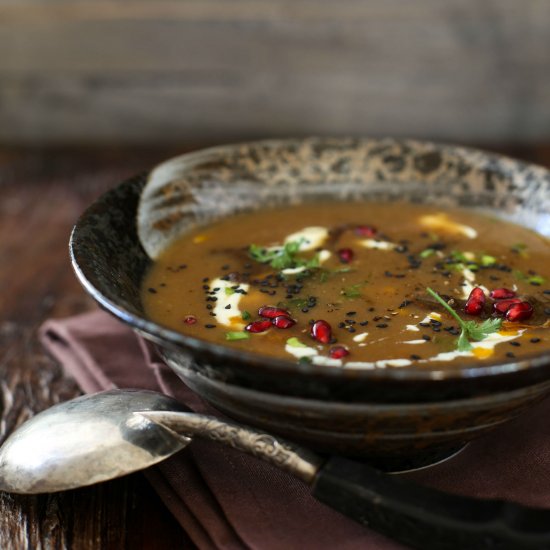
(519, 312)
(321, 331)
(365, 231)
(345, 255)
(504, 305)
(337, 352)
(190, 320)
(502, 294)
(271, 312)
(282, 321)
(258, 326)
(476, 302)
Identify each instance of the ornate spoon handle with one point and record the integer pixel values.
(418, 516)
(297, 461)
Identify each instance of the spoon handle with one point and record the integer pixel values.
(426, 518)
(295, 460)
(415, 515)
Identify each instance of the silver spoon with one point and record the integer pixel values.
(109, 434)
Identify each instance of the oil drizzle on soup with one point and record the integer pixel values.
(347, 285)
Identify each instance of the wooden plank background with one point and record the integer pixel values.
(163, 71)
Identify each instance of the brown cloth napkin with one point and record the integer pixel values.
(228, 500)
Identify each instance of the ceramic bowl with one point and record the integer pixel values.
(383, 413)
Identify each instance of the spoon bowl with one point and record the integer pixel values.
(87, 440)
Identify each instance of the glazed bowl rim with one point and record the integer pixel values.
(165, 336)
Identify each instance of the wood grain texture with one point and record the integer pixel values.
(42, 195)
(134, 71)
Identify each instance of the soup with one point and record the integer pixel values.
(363, 285)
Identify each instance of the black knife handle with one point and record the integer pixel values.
(426, 518)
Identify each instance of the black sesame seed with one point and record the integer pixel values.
(205, 280)
(371, 309)
(405, 303)
(364, 323)
(351, 329)
(209, 306)
(209, 326)
(382, 325)
(205, 287)
(515, 344)
(415, 357)
(547, 291)
(426, 337)
(305, 310)
(152, 290)
(349, 313)
(436, 329)
(424, 324)
(510, 354)
(534, 340)
(228, 306)
(534, 283)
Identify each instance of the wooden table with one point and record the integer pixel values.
(42, 193)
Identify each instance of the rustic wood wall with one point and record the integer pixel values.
(189, 70)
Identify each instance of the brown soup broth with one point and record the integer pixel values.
(363, 269)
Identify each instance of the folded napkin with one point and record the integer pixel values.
(225, 499)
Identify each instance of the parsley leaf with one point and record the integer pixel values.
(282, 257)
(470, 330)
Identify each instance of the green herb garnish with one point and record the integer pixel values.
(240, 335)
(295, 343)
(245, 315)
(487, 260)
(229, 291)
(531, 279)
(470, 330)
(352, 291)
(282, 257)
(427, 253)
(521, 249)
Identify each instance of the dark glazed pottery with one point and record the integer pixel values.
(383, 413)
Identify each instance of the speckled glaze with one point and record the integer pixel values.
(383, 413)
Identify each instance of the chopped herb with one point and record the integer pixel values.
(323, 278)
(352, 291)
(245, 315)
(471, 330)
(229, 291)
(487, 260)
(531, 279)
(282, 257)
(237, 335)
(295, 343)
(306, 360)
(521, 249)
(427, 253)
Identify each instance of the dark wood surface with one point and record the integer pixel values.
(42, 193)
